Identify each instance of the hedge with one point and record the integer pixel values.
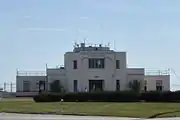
(122, 96)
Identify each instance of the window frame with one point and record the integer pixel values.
(118, 85)
(93, 63)
(75, 64)
(75, 85)
(117, 64)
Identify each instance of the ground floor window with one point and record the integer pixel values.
(159, 85)
(117, 85)
(42, 86)
(145, 88)
(96, 85)
(75, 86)
(26, 86)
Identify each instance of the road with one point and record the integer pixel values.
(8, 116)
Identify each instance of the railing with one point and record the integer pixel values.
(31, 73)
(157, 72)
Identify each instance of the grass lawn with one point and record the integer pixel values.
(88, 108)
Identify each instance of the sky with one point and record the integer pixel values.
(36, 32)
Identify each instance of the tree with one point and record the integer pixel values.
(135, 85)
(55, 86)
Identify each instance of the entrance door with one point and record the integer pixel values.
(96, 85)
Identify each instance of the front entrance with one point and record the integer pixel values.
(96, 85)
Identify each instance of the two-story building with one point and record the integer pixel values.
(88, 68)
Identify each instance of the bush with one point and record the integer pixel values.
(166, 96)
(45, 97)
(121, 96)
(89, 96)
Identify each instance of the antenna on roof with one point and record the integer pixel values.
(114, 44)
(84, 40)
(75, 44)
(108, 44)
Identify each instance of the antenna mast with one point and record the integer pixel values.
(84, 40)
(114, 44)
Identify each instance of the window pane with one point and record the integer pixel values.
(75, 86)
(26, 86)
(117, 85)
(117, 64)
(96, 63)
(75, 64)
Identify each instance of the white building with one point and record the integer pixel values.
(92, 67)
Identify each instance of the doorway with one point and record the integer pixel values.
(96, 85)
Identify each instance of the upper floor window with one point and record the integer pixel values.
(117, 64)
(75, 64)
(96, 63)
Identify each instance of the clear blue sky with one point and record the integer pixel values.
(36, 32)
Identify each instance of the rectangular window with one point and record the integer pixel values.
(75, 86)
(145, 88)
(158, 82)
(96, 63)
(75, 64)
(117, 64)
(117, 85)
(26, 86)
(159, 85)
(145, 82)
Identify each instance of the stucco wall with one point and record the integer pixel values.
(136, 74)
(33, 80)
(151, 82)
(83, 74)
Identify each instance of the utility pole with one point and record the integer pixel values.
(4, 86)
(11, 86)
(46, 80)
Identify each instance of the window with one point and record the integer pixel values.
(96, 63)
(117, 85)
(145, 82)
(145, 85)
(26, 86)
(159, 85)
(75, 86)
(117, 64)
(75, 64)
(145, 88)
(42, 86)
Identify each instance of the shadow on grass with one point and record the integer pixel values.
(163, 113)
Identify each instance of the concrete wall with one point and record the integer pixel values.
(33, 80)
(136, 74)
(151, 82)
(57, 74)
(83, 74)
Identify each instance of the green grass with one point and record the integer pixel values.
(88, 108)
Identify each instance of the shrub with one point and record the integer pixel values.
(45, 97)
(121, 96)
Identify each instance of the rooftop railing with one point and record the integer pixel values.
(31, 73)
(157, 72)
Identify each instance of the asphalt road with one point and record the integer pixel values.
(7, 116)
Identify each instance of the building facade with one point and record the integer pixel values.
(88, 68)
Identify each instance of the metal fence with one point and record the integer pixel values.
(8, 87)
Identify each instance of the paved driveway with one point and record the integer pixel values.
(7, 116)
